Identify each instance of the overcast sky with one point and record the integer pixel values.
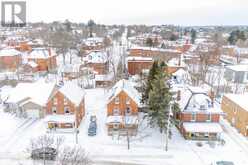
(179, 12)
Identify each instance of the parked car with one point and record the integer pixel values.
(222, 163)
(93, 118)
(47, 153)
(92, 129)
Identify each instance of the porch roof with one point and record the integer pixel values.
(129, 120)
(60, 119)
(202, 127)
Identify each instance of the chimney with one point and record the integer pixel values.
(49, 51)
(211, 95)
(179, 61)
(178, 95)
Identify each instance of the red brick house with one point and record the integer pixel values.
(155, 53)
(198, 118)
(66, 107)
(137, 65)
(10, 59)
(122, 108)
(44, 58)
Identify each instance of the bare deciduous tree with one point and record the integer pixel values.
(73, 156)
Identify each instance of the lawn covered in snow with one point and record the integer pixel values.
(146, 148)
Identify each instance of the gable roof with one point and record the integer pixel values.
(72, 92)
(37, 92)
(192, 98)
(96, 57)
(9, 52)
(40, 53)
(128, 88)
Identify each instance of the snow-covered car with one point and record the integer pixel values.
(47, 153)
(222, 163)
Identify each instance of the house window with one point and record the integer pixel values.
(65, 101)
(54, 110)
(115, 126)
(234, 110)
(128, 111)
(66, 110)
(55, 101)
(193, 117)
(116, 112)
(208, 117)
(128, 101)
(117, 100)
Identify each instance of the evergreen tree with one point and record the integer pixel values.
(193, 36)
(159, 103)
(149, 42)
(147, 85)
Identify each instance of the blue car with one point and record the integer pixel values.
(92, 129)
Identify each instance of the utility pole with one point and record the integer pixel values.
(76, 126)
(168, 130)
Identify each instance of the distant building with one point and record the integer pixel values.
(44, 58)
(236, 108)
(137, 65)
(10, 59)
(237, 73)
(92, 44)
(98, 61)
(155, 53)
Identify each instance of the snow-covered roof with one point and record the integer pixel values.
(128, 88)
(196, 99)
(202, 127)
(40, 53)
(157, 49)
(175, 62)
(104, 77)
(32, 64)
(73, 92)
(139, 58)
(71, 68)
(128, 120)
(114, 119)
(238, 68)
(37, 92)
(9, 52)
(92, 41)
(239, 99)
(96, 57)
(60, 118)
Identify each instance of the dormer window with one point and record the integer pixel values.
(128, 101)
(65, 101)
(66, 110)
(209, 117)
(55, 101)
(117, 100)
(203, 107)
(193, 117)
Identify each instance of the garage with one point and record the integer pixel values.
(33, 113)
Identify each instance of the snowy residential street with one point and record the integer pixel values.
(146, 148)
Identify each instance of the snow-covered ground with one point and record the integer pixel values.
(146, 148)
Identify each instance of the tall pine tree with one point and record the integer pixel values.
(159, 102)
(147, 85)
